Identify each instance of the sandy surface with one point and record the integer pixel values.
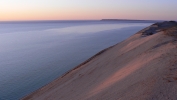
(139, 68)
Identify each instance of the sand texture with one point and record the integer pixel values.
(142, 67)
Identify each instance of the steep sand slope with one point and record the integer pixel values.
(139, 68)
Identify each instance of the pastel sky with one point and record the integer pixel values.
(87, 9)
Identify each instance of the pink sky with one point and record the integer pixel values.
(87, 9)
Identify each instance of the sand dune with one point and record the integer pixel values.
(142, 67)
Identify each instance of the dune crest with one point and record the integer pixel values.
(142, 67)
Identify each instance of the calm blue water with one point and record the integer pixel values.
(33, 54)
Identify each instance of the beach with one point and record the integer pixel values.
(142, 67)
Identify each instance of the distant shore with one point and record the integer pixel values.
(133, 20)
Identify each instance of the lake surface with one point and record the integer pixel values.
(32, 54)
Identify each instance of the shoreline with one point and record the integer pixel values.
(88, 60)
(75, 68)
(140, 67)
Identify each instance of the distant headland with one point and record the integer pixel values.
(132, 20)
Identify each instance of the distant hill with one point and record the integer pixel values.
(131, 20)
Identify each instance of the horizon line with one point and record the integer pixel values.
(108, 19)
